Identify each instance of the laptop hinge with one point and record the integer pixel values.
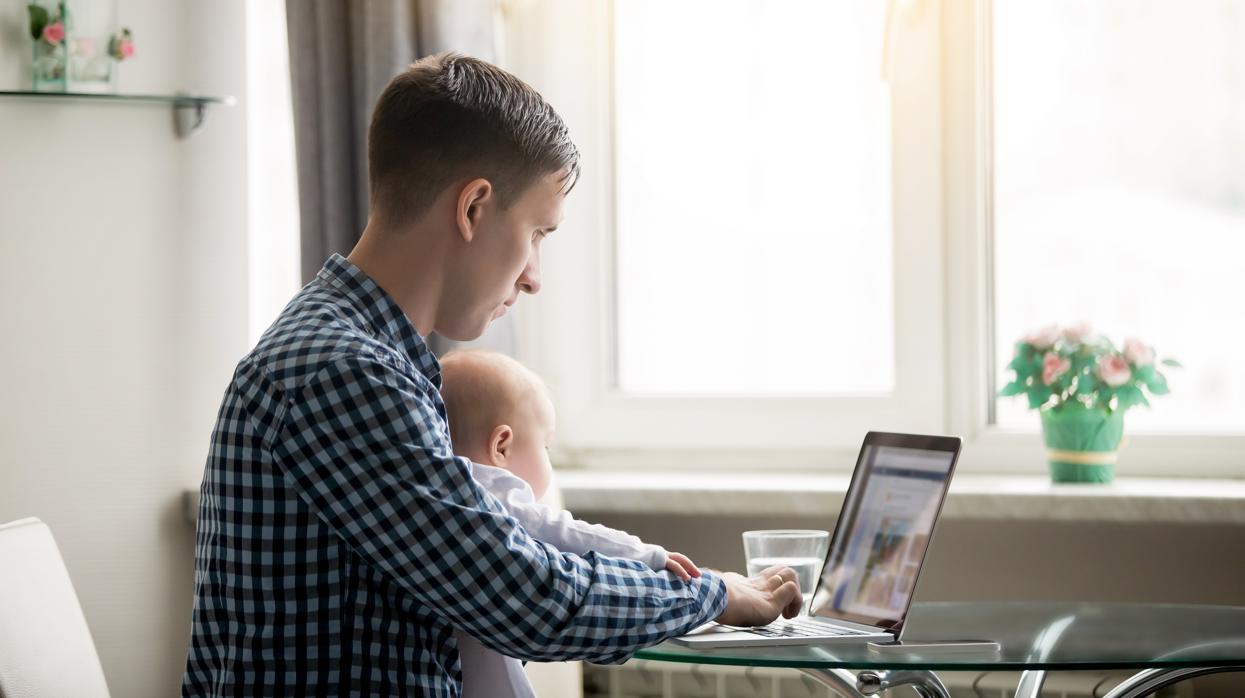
(855, 626)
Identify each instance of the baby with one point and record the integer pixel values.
(502, 419)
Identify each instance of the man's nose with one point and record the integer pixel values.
(529, 282)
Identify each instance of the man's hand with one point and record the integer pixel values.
(758, 600)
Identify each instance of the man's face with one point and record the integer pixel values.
(502, 259)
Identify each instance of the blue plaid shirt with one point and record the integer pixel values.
(340, 541)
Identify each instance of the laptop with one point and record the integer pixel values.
(876, 551)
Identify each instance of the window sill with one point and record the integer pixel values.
(972, 497)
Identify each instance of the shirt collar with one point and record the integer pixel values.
(381, 311)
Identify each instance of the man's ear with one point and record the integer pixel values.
(471, 200)
(500, 442)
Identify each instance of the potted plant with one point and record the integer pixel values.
(1082, 385)
(51, 54)
(77, 52)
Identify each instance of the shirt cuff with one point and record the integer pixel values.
(713, 604)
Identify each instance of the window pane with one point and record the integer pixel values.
(753, 197)
(1120, 189)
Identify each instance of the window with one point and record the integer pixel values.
(752, 179)
(272, 197)
(973, 171)
(1120, 189)
(725, 281)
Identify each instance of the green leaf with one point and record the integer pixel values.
(1086, 383)
(1123, 400)
(1081, 367)
(1130, 396)
(1013, 388)
(38, 20)
(1171, 362)
(1022, 364)
(1157, 383)
(1038, 395)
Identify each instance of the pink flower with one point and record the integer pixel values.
(1114, 370)
(54, 33)
(1077, 334)
(1138, 354)
(121, 45)
(85, 47)
(1054, 366)
(1042, 339)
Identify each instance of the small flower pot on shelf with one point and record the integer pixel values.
(1082, 386)
(1082, 444)
(76, 46)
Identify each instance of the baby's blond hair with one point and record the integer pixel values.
(483, 389)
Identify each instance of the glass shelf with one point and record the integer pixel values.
(110, 96)
(188, 110)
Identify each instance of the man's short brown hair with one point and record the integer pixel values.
(450, 117)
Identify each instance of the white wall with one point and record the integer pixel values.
(984, 560)
(123, 278)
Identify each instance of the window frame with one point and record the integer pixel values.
(968, 143)
(565, 49)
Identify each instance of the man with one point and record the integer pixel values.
(340, 542)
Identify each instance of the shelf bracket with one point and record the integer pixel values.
(188, 115)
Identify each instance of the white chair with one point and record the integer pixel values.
(45, 645)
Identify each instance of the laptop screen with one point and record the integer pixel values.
(883, 531)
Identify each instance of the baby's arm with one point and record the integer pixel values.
(569, 534)
(562, 530)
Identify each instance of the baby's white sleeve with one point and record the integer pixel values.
(560, 528)
(569, 534)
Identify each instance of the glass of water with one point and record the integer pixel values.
(802, 551)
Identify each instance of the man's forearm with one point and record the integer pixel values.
(623, 607)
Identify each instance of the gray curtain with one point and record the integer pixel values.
(342, 54)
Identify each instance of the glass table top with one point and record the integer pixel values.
(1050, 636)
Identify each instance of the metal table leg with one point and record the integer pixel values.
(1138, 686)
(1031, 681)
(839, 680)
(1151, 680)
(1030, 685)
(872, 682)
(925, 683)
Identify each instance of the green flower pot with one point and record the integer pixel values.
(1081, 444)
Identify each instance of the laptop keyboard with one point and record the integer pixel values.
(803, 627)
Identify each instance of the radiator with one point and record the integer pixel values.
(647, 679)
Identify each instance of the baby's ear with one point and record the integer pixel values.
(500, 441)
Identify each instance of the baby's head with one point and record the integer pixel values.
(500, 414)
